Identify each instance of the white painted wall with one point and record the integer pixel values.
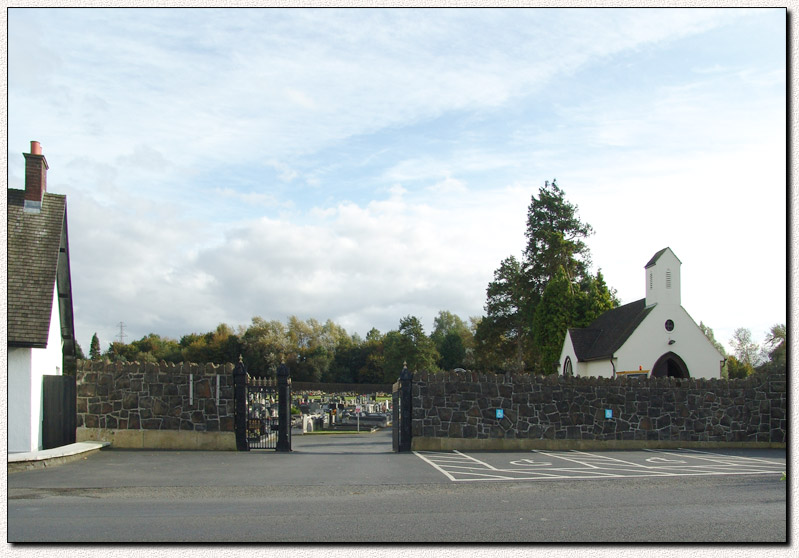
(602, 368)
(650, 341)
(663, 280)
(28, 368)
(19, 399)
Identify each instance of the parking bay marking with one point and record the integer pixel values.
(531, 463)
(664, 460)
(735, 458)
(481, 470)
(718, 460)
(605, 462)
(457, 466)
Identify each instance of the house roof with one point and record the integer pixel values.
(38, 262)
(605, 335)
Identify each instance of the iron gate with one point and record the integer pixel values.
(263, 410)
(262, 413)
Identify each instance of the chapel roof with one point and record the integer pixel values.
(608, 332)
(653, 260)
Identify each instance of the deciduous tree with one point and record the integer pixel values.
(746, 351)
(775, 349)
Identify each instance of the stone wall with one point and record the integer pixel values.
(156, 405)
(459, 411)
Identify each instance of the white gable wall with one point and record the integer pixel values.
(650, 341)
(26, 369)
(594, 368)
(578, 368)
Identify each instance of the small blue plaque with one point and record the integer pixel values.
(500, 413)
(608, 413)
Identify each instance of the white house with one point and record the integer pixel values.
(653, 336)
(40, 321)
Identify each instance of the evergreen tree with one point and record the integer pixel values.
(408, 345)
(555, 313)
(452, 338)
(94, 348)
(452, 351)
(554, 240)
(501, 335)
(514, 329)
(594, 299)
(737, 369)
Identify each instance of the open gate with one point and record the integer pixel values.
(263, 410)
(263, 423)
(403, 411)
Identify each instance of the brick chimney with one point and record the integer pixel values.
(35, 178)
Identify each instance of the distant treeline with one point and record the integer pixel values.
(314, 351)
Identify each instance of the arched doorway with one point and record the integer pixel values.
(670, 365)
(568, 370)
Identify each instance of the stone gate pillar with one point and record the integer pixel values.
(240, 406)
(283, 409)
(405, 409)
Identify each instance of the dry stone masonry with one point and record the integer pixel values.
(463, 405)
(155, 396)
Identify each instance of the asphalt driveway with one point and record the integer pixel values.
(351, 488)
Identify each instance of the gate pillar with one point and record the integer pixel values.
(403, 411)
(240, 409)
(283, 409)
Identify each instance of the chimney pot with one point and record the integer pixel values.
(36, 148)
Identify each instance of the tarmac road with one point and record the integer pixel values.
(340, 488)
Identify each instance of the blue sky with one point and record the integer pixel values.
(364, 165)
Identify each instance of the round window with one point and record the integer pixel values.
(669, 325)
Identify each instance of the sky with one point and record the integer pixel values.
(363, 165)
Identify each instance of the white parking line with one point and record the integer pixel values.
(445, 473)
(718, 457)
(460, 467)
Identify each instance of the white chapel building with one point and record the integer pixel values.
(653, 336)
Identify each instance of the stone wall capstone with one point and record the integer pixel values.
(463, 405)
(155, 396)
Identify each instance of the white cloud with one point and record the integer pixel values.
(225, 164)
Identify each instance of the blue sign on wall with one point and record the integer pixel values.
(608, 413)
(500, 414)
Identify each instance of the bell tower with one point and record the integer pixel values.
(663, 279)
